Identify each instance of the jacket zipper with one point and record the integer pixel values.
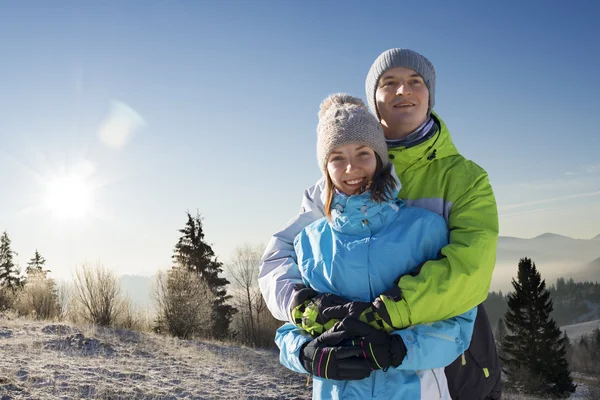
(450, 339)
(437, 383)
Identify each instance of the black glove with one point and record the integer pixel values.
(364, 311)
(380, 314)
(307, 310)
(327, 358)
(381, 349)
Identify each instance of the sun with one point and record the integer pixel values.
(69, 194)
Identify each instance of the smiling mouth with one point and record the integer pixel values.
(354, 181)
(403, 105)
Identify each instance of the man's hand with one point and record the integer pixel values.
(307, 310)
(315, 313)
(381, 349)
(327, 358)
(300, 298)
(361, 310)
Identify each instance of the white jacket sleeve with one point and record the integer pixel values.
(279, 272)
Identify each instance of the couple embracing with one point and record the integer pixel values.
(382, 274)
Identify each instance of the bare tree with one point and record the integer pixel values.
(244, 272)
(184, 303)
(585, 356)
(255, 325)
(64, 292)
(7, 298)
(266, 324)
(133, 317)
(97, 294)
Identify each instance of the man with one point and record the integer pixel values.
(400, 90)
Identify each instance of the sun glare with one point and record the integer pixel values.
(69, 196)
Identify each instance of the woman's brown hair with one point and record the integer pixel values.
(381, 186)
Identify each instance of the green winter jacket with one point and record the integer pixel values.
(436, 177)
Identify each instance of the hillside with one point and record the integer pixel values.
(41, 360)
(574, 332)
(589, 271)
(595, 265)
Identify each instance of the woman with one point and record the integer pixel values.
(367, 240)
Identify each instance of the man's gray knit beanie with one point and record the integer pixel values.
(344, 119)
(393, 58)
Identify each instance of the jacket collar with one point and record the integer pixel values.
(358, 213)
(439, 146)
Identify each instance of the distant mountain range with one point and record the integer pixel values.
(589, 271)
(549, 247)
(138, 289)
(575, 332)
(554, 255)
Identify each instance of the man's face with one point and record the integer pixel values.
(402, 100)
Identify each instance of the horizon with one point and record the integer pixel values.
(119, 117)
(555, 234)
(499, 264)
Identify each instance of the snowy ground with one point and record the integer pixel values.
(577, 330)
(54, 361)
(583, 392)
(41, 360)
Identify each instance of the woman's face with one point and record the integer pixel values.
(351, 167)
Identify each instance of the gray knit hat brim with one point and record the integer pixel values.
(393, 58)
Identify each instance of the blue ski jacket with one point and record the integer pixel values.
(358, 255)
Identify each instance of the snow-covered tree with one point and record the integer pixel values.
(36, 264)
(193, 253)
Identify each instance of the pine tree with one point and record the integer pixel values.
(36, 264)
(9, 272)
(496, 306)
(595, 347)
(569, 350)
(193, 253)
(534, 348)
(500, 335)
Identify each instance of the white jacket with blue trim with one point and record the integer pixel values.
(359, 255)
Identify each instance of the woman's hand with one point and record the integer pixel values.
(381, 349)
(327, 357)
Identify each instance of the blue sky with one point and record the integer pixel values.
(158, 107)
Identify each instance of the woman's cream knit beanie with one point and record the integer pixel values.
(344, 119)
